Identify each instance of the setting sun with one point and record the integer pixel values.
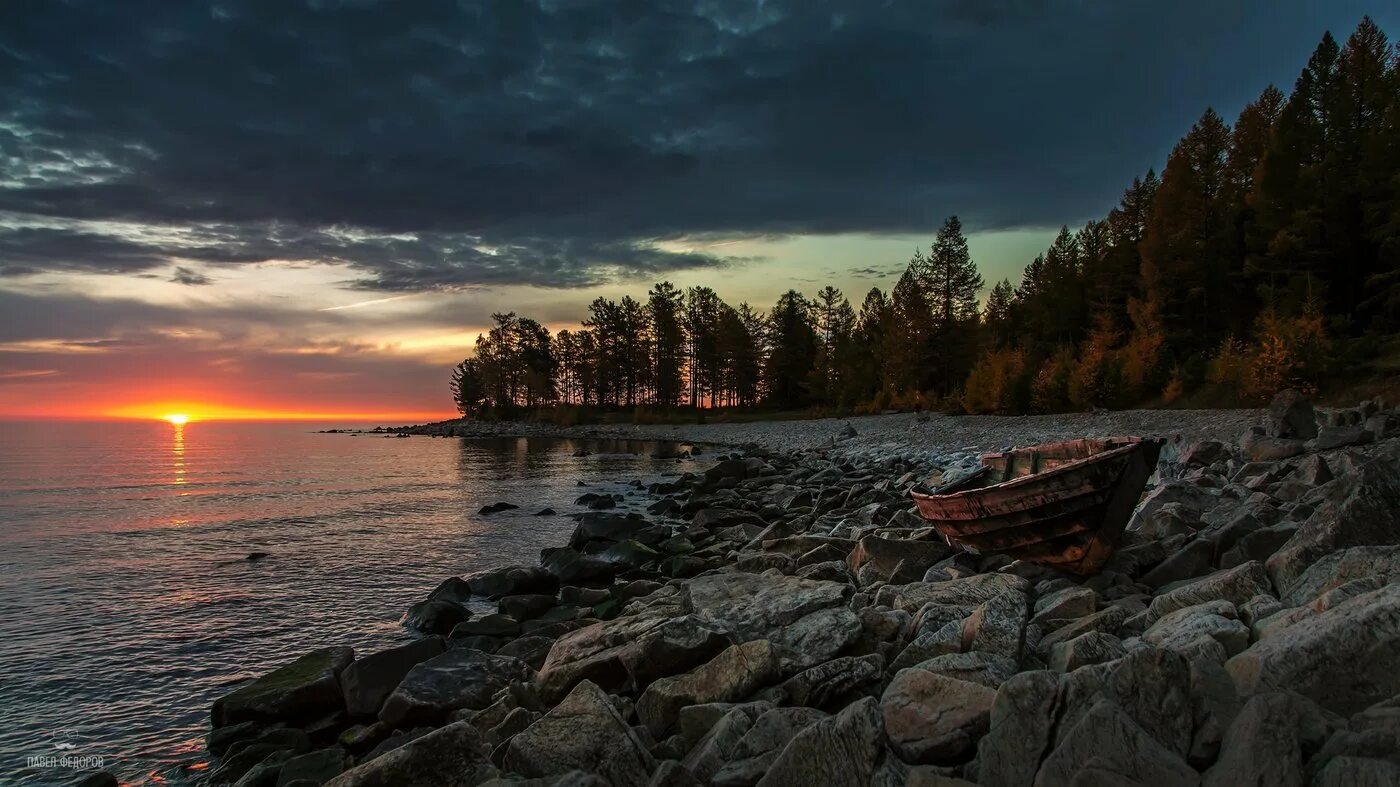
(177, 418)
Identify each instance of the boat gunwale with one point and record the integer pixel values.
(1134, 444)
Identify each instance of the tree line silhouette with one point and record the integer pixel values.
(1266, 255)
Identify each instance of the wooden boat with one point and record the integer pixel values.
(1058, 504)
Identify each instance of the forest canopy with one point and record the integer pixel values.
(1265, 255)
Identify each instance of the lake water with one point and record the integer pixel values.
(126, 601)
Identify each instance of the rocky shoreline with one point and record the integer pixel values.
(784, 618)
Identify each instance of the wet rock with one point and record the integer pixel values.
(459, 678)
(512, 580)
(526, 606)
(366, 683)
(453, 756)
(573, 568)
(1270, 741)
(732, 675)
(840, 751)
(496, 508)
(1108, 743)
(1094, 647)
(1344, 659)
(932, 718)
(495, 625)
(435, 616)
(304, 689)
(583, 732)
(452, 589)
(315, 767)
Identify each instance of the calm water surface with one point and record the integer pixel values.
(126, 604)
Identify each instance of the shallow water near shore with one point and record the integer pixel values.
(128, 602)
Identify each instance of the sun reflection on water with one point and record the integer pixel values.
(177, 454)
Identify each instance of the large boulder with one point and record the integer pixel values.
(1187, 630)
(754, 753)
(932, 718)
(839, 751)
(1113, 749)
(1360, 509)
(806, 619)
(512, 580)
(1236, 585)
(732, 675)
(1270, 741)
(305, 689)
(1291, 414)
(1343, 659)
(459, 678)
(629, 652)
(369, 681)
(895, 559)
(1020, 729)
(436, 616)
(453, 756)
(583, 732)
(833, 682)
(1341, 567)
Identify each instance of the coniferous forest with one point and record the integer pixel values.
(1265, 255)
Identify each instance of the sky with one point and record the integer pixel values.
(295, 209)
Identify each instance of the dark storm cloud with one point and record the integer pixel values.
(438, 145)
(186, 276)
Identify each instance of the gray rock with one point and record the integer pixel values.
(1291, 415)
(885, 555)
(1094, 647)
(526, 606)
(1106, 620)
(1020, 729)
(1107, 742)
(1214, 706)
(1063, 606)
(1259, 545)
(719, 743)
(1341, 567)
(1361, 509)
(1236, 585)
(305, 689)
(1358, 772)
(1216, 620)
(1344, 659)
(755, 752)
(513, 580)
(1270, 740)
(1192, 560)
(750, 606)
(732, 675)
(1331, 437)
(1263, 448)
(459, 678)
(453, 756)
(840, 751)
(696, 721)
(583, 732)
(829, 683)
(987, 669)
(495, 625)
(931, 718)
(630, 652)
(314, 767)
(815, 638)
(435, 616)
(367, 682)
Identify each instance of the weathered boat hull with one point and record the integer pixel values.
(1060, 504)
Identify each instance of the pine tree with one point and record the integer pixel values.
(665, 308)
(793, 351)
